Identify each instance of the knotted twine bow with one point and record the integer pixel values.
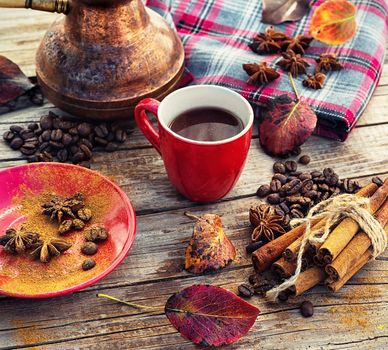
(334, 210)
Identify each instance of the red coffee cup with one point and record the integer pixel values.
(202, 171)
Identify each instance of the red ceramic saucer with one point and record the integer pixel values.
(20, 186)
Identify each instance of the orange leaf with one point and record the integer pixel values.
(209, 249)
(334, 22)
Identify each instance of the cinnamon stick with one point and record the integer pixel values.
(307, 280)
(265, 256)
(283, 268)
(348, 228)
(356, 248)
(362, 260)
(291, 252)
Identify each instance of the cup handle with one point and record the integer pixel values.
(144, 124)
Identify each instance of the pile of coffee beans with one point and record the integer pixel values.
(292, 193)
(258, 284)
(64, 140)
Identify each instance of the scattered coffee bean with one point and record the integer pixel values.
(281, 177)
(297, 151)
(279, 167)
(111, 147)
(263, 191)
(96, 234)
(8, 136)
(88, 264)
(274, 198)
(315, 174)
(378, 181)
(250, 248)
(305, 159)
(291, 187)
(291, 165)
(33, 126)
(89, 248)
(245, 290)
(101, 131)
(120, 135)
(283, 296)
(275, 185)
(307, 309)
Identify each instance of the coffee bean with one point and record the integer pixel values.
(296, 214)
(320, 179)
(245, 290)
(298, 200)
(327, 172)
(274, 198)
(291, 187)
(89, 248)
(78, 157)
(323, 187)
(111, 147)
(283, 296)
(87, 143)
(74, 149)
(46, 135)
(27, 151)
(275, 185)
(284, 207)
(46, 122)
(120, 135)
(254, 279)
(56, 145)
(33, 126)
(295, 173)
(38, 132)
(378, 181)
(296, 151)
(291, 165)
(110, 137)
(73, 131)
(16, 129)
(307, 309)
(87, 152)
(100, 141)
(263, 191)
(84, 129)
(279, 167)
(305, 159)
(56, 122)
(101, 130)
(311, 194)
(88, 264)
(26, 134)
(67, 139)
(8, 136)
(45, 157)
(16, 143)
(315, 174)
(56, 135)
(63, 155)
(74, 139)
(281, 177)
(66, 125)
(305, 176)
(286, 220)
(332, 180)
(250, 248)
(325, 195)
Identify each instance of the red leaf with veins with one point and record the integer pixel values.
(13, 82)
(287, 124)
(209, 315)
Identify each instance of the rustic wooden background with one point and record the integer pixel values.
(355, 317)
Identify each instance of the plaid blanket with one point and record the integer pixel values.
(216, 34)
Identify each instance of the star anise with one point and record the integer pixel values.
(44, 250)
(327, 62)
(293, 63)
(58, 208)
(315, 81)
(266, 223)
(18, 241)
(260, 73)
(268, 42)
(299, 44)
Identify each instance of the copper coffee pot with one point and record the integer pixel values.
(104, 56)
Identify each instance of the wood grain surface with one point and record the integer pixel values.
(354, 318)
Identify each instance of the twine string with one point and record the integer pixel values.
(334, 210)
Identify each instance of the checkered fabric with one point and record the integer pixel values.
(216, 34)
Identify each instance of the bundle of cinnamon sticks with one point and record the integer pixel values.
(346, 250)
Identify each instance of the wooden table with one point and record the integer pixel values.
(355, 317)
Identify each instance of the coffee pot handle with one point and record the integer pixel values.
(59, 6)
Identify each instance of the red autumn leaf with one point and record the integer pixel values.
(13, 82)
(286, 125)
(209, 315)
(334, 22)
(279, 11)
(209, 249)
